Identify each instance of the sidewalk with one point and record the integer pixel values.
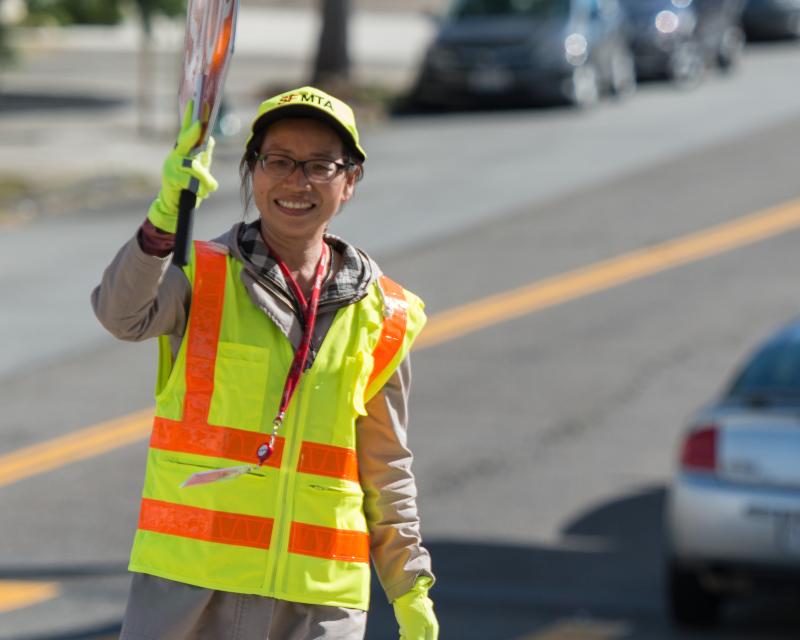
(69, 117)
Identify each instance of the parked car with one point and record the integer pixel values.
(771, 19)
(733, 507)
(527, 51)
(680, 39)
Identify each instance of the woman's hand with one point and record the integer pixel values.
(178, 172)
(414, 613)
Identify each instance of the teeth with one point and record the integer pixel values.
(294, 205)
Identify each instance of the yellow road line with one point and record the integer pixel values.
(600, 276)
(78, 445)
(580, 630)
(452, 324)
(18, 594)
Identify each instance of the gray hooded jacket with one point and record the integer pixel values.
(144, 296)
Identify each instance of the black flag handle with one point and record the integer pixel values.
(183, 233)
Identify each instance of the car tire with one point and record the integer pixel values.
(793, 27)
(584, 86)
(730, 49)
(687, 65)
(417, 100)
(623, 74)
(691, 604)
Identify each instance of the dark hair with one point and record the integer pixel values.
(248, 164)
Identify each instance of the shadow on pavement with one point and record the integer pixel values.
(63, 572)
(601, 581)
(607, 573)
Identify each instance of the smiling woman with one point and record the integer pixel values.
(283, 370)
(298, 204)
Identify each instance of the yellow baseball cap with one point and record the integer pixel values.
(310, 102)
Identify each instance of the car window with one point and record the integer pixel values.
(774, 369)
(636, 7)
(535, 8)
(603, 8)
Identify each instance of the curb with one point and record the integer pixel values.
(98, 632)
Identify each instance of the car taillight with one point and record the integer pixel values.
(700, 449)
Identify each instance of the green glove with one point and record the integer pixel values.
(182, 171)
(414, 613)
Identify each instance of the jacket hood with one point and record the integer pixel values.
(349, 285)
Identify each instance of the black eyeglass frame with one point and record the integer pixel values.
(340, 166)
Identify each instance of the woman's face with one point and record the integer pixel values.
(293, 208)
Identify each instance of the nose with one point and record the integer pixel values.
(298, 177)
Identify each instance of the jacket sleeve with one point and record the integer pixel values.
(142, 296)
(390, 505)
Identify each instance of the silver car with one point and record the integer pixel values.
(733, 509)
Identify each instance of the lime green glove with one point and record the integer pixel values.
(182, 171)
(414, 613)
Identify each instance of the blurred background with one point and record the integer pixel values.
(596, 198)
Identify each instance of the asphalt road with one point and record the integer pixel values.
(544, 442)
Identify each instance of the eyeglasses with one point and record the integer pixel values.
(281, 166)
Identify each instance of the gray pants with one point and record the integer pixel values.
(160, 609)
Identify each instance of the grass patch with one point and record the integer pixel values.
(22, 199)
(14, 187)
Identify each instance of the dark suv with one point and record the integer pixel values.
(680, 39)
(772, 19)
(527, 50)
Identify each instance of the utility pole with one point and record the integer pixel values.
(148, 10)
(146, 80)
(5, 49)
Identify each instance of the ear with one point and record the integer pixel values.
(349, 186)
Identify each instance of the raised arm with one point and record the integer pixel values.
(140, 295)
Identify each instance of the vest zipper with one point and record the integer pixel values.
(288, 476)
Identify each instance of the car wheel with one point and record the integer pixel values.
(687, 65)
(691, 604)
(623, 74)
(584, 86)
(794, 26)
(418, 99)
(730, 49)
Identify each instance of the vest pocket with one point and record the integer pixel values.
(335, 489)
(252, 492)
(240, 380)
(335, 504)
(217, 536)
(328, 547)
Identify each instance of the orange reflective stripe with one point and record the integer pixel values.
(203, 524)
(331, 544)
(326, 460)
(213, 441)
(394, 327)
(204, 323)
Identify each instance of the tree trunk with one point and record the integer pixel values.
(146, 76)
(4, 46)
(332, 62)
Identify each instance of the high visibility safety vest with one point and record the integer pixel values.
(293, 529)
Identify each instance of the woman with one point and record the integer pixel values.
(284, 370)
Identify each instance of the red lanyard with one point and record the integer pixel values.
(309, 311)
